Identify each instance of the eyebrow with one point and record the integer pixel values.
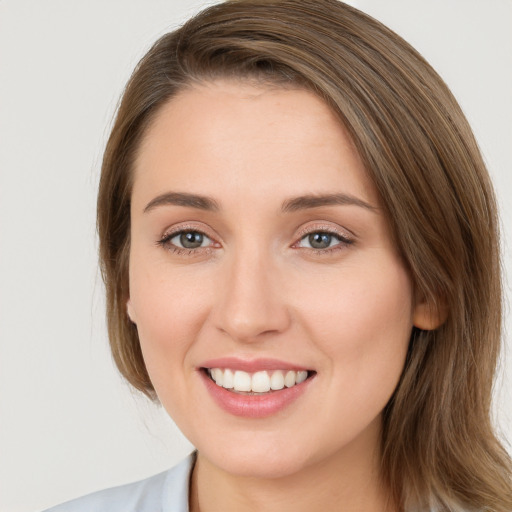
(183, 199)
(316, 201)
(290, 205)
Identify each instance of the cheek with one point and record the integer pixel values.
(362, 321)
(368, 302)
(169, 312)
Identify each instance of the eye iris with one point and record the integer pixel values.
(191, 239)
(320, 240)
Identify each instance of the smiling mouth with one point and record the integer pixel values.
(257, 383)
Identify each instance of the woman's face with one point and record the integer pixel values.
(260, 256)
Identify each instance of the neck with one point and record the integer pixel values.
(349, 480)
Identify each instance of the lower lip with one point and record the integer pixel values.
(253, 406)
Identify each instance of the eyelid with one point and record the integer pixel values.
(345, 239)
(325, 227)
(187, 226)
(345, 236)
(174, 230)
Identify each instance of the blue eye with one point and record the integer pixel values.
(319, 240)
(187, 240)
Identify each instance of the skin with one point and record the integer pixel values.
(256, 288)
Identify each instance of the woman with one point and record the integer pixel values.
(298, 239)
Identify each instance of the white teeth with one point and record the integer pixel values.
(289, 379)
(277, 380)
(227, 381)
(258, 382)
(218, 376)
(242, 381)
(301, 377)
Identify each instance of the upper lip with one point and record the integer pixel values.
(253, 365)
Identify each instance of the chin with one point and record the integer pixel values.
(258, 459)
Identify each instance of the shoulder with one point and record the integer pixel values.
(165, 492)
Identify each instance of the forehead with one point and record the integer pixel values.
(217, 135)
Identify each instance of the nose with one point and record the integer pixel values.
(251, 303)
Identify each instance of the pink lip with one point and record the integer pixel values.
(252, 406)
(252, 366)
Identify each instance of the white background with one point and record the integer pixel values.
(68, 424)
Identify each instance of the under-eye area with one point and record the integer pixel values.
(263, 381)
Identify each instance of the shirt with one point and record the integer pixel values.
(165, 492)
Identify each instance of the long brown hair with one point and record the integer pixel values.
(439, 450)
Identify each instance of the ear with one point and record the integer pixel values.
(428, 316)
(130, 311)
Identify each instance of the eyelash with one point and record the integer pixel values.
(343, 241)
(166, 243)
